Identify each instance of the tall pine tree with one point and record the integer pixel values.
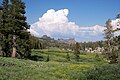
(1, 35)
(14, 28)
(118, 37)
(77, 51)
(110, 47)
(21, 41)
(5, 29)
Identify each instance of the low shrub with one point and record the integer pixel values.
(62, 60)
(105, 72)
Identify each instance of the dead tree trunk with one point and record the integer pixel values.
(14, 47)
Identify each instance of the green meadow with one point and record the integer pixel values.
(57, 68)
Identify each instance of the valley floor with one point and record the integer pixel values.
(58, 68)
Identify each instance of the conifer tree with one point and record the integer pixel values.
(16, 41)
(108, 37)
(77, 51)
(1, 35)
(68, 56)
(110, 47)
(118, 37)
(5, 29)
(21, 38)
(118, 16)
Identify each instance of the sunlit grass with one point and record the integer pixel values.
(58, 68)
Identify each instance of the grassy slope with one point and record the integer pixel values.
(17, 69)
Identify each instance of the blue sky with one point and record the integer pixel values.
(82, 12)
(83, 20)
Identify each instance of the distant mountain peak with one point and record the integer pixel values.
(68, 41)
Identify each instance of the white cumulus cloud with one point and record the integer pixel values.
(56, 24)
(115, 25)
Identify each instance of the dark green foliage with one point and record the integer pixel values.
(112, 48)
(36, 43)
(117, 39)
(4, 29)
(92, 45)
(118, 16)
(110, 43)
(108, 31)
(36, 58)
(20, 27)
(113, 56)
(40, 43)
(97, 57)
(104, 72)
(13, 29)
(77, 51)
(77, 76)
(117, 44)
(68, 57)
(48, 58)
